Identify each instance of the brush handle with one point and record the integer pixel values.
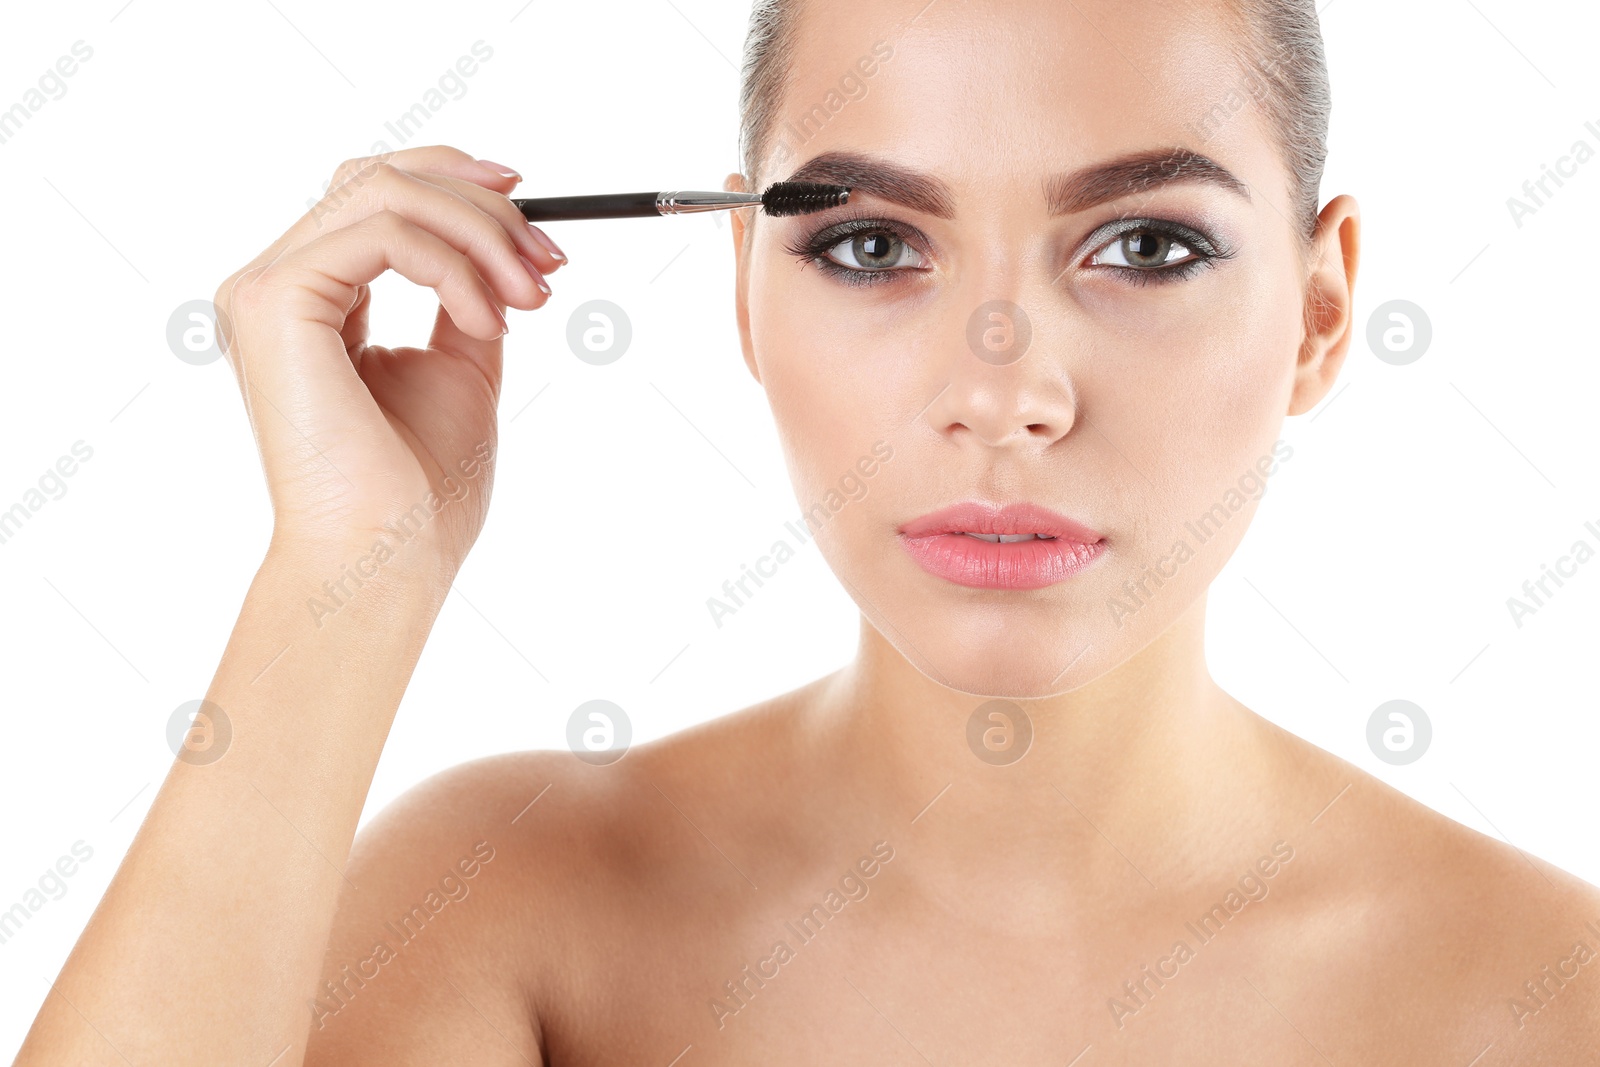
(631, 205)
(593, 206)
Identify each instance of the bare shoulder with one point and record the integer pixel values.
(1459, 937)
(507, 890)
(414, 968)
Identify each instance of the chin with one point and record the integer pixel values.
(1018, 645)
(991, 644)
(1014, 644)
(1016, 661)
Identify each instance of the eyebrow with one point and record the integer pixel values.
(1064, 193)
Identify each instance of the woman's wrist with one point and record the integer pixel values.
(337, 571)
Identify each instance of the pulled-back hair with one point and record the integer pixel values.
(1279, 51)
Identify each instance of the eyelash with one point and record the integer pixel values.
(1205, 250)
(814, 249)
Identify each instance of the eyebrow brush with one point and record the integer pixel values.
(781, 198)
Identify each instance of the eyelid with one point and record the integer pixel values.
(1187, 235)
(815, 247)
(859, 221)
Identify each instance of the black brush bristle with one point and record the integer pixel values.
(802, 198)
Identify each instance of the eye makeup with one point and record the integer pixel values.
(1156, 238)
(1144, 244)
(814, 248)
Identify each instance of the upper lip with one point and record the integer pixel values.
(1025, 517)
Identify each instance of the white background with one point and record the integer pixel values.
(1418, 500)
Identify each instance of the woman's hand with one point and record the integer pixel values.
(354, 436)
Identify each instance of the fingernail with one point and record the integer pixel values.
(500, 169)
(503, 321)
(533, 272)
(549, 245)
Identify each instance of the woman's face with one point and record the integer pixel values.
(996, 335)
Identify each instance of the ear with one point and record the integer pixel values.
(1330, 303)
(734, 183)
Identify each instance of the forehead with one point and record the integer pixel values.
(993, 91)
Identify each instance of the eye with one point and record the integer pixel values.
(873, 251)
(861, 251)
(1143, 248)
(1150, 250)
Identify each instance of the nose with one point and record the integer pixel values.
(1004, 389)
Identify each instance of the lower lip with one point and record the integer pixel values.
(981, 564)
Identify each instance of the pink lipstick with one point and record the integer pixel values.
(1019, 546)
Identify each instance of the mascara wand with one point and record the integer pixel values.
(782, 198)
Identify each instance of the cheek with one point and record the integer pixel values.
(1200, 375)
(837, 378)
(1192, 393)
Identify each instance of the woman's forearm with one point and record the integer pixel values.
(209, 939)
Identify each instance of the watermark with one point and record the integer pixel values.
(599, 332)
(1255, 85)
(1542, 988)
(337, 592)
(1399, 332)
(999, 732)
(1252, 485)
(599, 732)
(1566, 567)
(796, 132)
(999, 332)
(51, 885)
(452, 888)
(450, 85)
(52, 85)
(1536, 192)
(199, 732)
(1399, 732)
(851, 486)
(1252, 888)
(52, 485)
(193, 334)
(852, 887)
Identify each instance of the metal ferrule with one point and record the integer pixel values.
(683, 203)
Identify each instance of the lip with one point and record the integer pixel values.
(938, 543)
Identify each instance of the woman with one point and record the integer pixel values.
(1047, 350)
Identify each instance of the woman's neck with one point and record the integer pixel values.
(1152, 759)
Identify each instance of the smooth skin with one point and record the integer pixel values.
(581, 915)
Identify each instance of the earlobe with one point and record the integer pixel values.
(734, 183)
(1329, 303)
